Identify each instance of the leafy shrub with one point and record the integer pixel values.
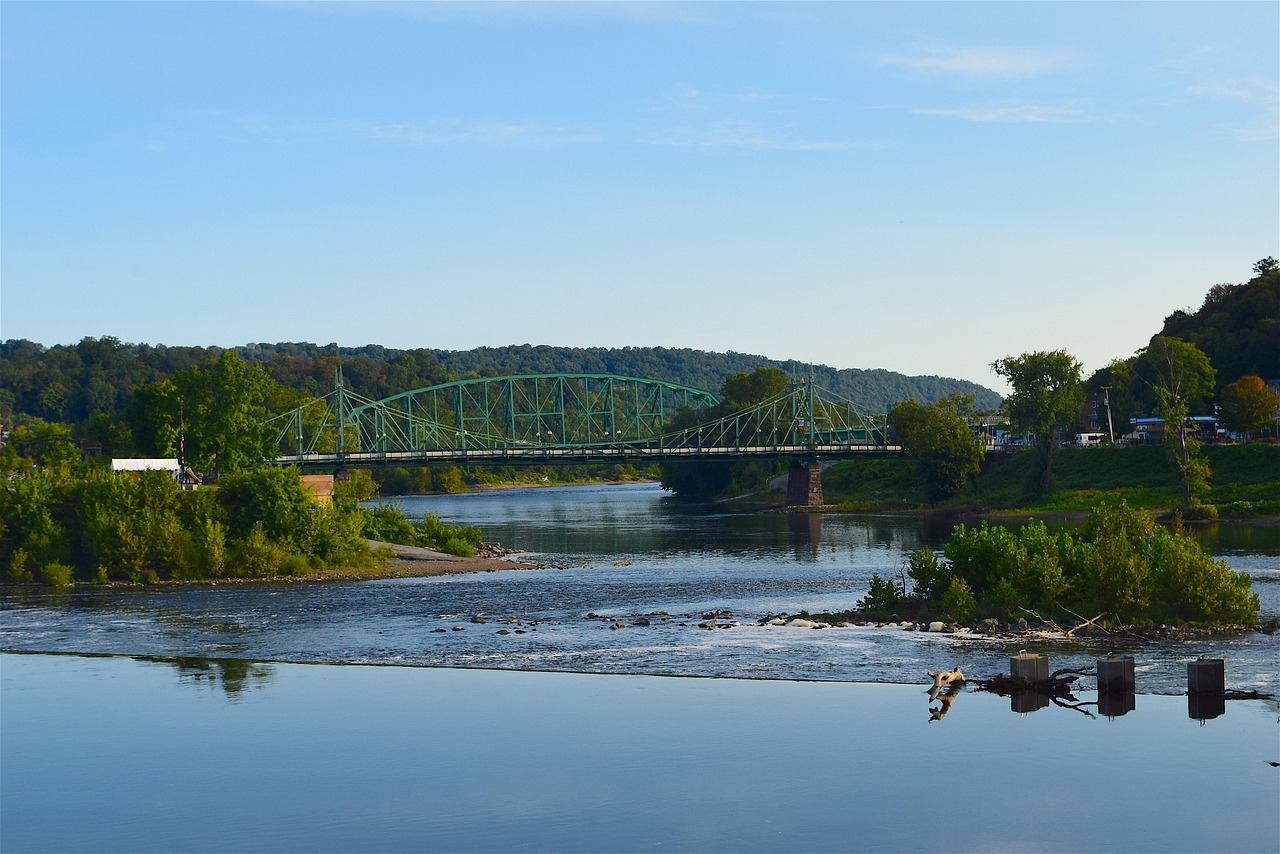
(884, 596)
(56, 574)
(958, 602)
(930, 574)
(1120, 563)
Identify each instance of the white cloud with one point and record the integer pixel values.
(1261, 95)
(982, 61)
(1021, 114)
(746, 134)
(488, 134)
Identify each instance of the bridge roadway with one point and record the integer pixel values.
(581, 454)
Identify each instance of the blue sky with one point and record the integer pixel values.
(923, 187)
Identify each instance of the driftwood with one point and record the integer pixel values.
(1085, 624)
(946, 698)
(944, 679)
(1057, 687)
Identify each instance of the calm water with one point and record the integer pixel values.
(680, 563)
(113, 754)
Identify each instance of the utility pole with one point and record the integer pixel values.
(1111, 436)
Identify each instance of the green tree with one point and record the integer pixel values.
(212, 414)
(1248, 404)
(938, 435)
(708, 478)
(743, 389)
(1179, 375)
(1047, 396)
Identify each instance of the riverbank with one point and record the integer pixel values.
(398, 561)
(420, 562)
(1244, 485)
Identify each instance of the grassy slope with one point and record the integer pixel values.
(1245, 481)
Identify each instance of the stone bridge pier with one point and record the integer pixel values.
(804, 484)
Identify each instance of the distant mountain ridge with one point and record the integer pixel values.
(72, 382)
(874, 389)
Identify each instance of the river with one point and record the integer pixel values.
(626, 555)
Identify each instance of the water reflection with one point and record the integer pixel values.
(232, 675)
(1024, 702)
(944, 698)
(806, 535)
(1206, 707)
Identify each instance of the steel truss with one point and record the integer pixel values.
(569, 418)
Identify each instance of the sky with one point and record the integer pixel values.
(922, 187)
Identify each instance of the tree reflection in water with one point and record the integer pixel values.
(233, 675)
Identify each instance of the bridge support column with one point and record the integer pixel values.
(804, 484)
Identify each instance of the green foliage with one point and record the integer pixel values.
(1179, 376)
(349, 492)
(388, 523)
(112, 526)
(1237, 326)
(1121, 563)
(1248, 404)
(272, 497)
(743, 389)
(704, 479)
(1047, 396)
(929, 573)
(958, 602)
(938, 435)
(885, 595)
(56, 574)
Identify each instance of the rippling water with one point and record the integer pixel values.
(677, 562)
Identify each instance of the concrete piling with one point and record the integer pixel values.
(1206, 676)
(1116, 685)
(1033, 667)
(1206, 689)
(1115, 674)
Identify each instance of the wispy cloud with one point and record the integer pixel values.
(438, 131)
(442, 131)
(747, 134)
(1257, 95)
(981, 61)
(1019, 114)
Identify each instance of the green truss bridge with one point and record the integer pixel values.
(544, 419)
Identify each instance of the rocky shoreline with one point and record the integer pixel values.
(723, 618)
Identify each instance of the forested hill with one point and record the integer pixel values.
(874, 389)
(1237, 327)
(69, 383)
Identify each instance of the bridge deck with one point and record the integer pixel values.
(534, 455)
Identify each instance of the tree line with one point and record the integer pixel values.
(1222, 364)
